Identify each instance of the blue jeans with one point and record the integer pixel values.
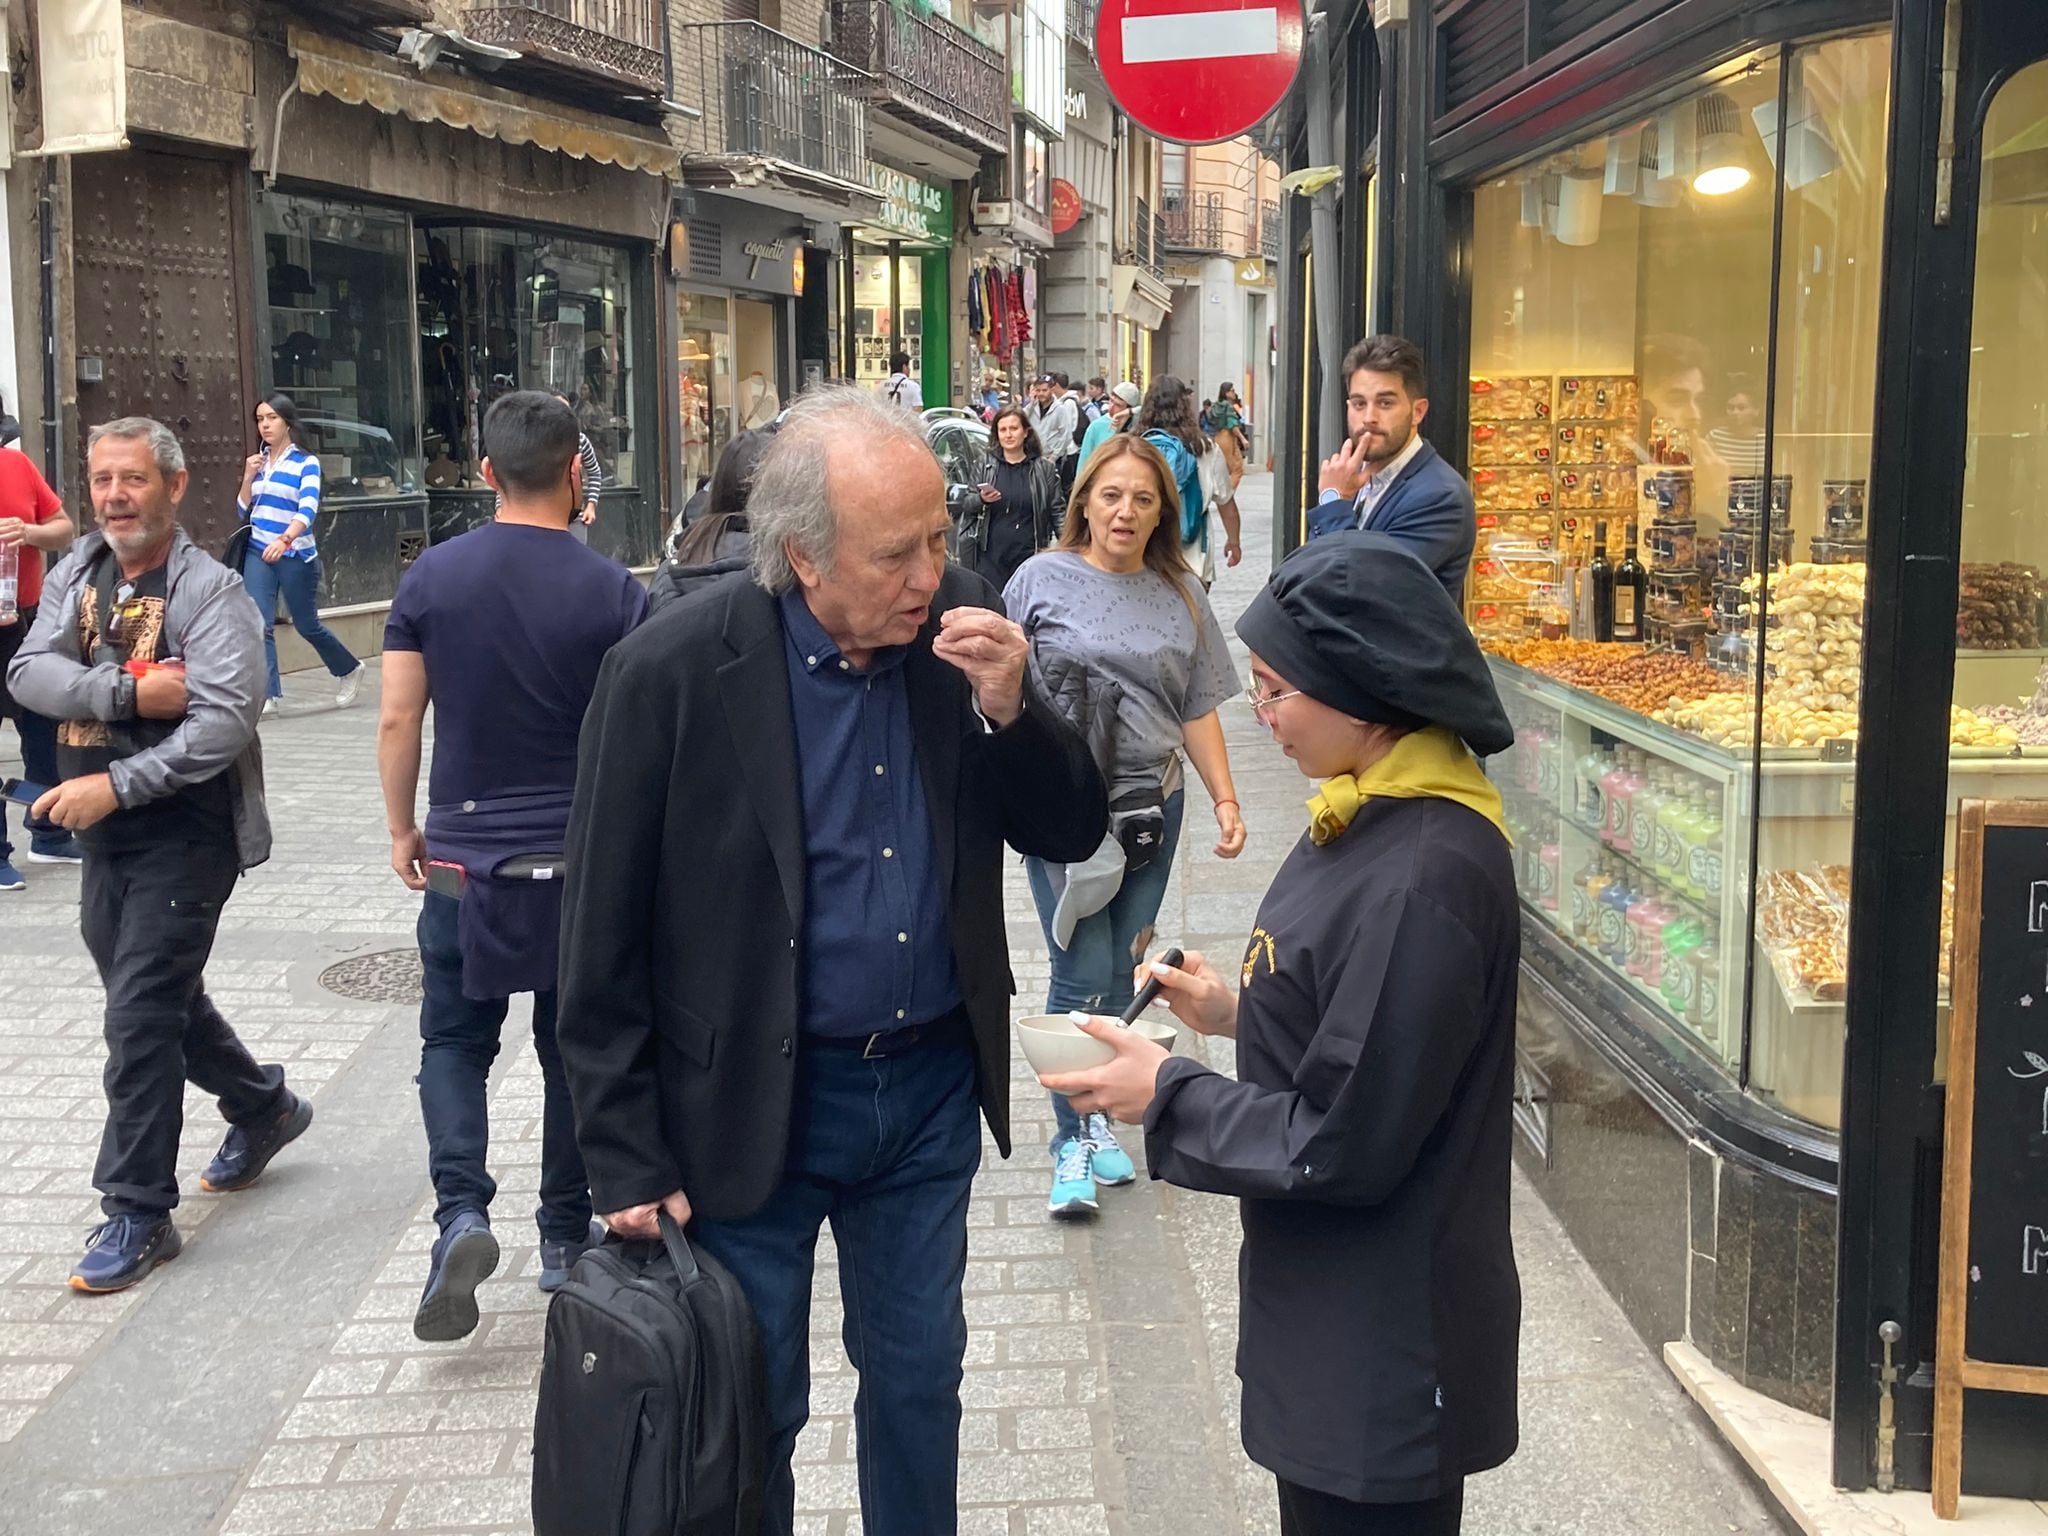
(885, 1150)
(299, 581)
(38, 766)
(458, 1042)
(1093, 973)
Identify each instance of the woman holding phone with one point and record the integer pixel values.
(1020, 502)
(1368, 1132)
(280, 498)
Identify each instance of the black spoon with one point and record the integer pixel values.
(1173, 957)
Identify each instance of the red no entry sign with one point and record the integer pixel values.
(1199, 71)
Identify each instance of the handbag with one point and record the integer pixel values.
(235, 553)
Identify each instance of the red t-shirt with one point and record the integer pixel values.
(26, 495)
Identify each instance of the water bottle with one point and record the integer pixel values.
(10, 584)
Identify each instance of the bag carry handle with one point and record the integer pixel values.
(678, 1246)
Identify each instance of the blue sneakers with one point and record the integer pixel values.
(10, 878)
(56, 848)
(464, 1257)
(248, 1149)
(1073, 1186)
(1110, 1163)
(557, 1259)
(122, 1250)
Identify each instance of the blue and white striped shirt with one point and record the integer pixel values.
(287, 486)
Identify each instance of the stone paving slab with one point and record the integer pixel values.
(268, 1382)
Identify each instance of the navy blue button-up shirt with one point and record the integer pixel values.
(876, 951)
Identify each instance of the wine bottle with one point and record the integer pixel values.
(1631, 586)
(1600, 577)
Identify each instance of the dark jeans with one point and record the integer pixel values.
(459, 1039)
(299, 581)
(148, 917)
(1093, 973)
(886, 1151)
(1305, 1512)
(38, 742)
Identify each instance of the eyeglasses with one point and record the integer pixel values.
(1262, 702)
(127, 610)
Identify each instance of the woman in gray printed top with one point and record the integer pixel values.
(1115, 615)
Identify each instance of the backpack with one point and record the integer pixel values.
(651, 1420)
(1187, 475)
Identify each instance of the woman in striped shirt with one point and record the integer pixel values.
(280, 498)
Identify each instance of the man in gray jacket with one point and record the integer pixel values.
(149, 655)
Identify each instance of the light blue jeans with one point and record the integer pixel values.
(1093, 973)
(299, 580)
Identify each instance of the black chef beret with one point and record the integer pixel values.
(1357, 622)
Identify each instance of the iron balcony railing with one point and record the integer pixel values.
(619, 41)
(1081, 23)
(946, 80)
(1197, 221)
(1269, 229)
(767, 95)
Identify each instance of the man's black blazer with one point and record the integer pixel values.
(683, 906)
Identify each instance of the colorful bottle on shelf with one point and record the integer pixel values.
(1588, 809)
(1706, 991)
(1584, 890)
(1682, 935)
(1670, 854)
(1703, 859)
(1622, 787)
(1615, 901)
(1646, 921)
(1548, 857)
(1643, 812)
(1631, 587)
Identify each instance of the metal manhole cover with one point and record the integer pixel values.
(388, 976)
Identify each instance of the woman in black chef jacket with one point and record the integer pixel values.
(1368, 1131)
(1021, 503)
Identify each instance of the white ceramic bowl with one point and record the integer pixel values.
(1054, 1043)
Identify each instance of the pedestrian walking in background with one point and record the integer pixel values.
(151, 662)
(1020, 503)
(1368, 1133)
(1057, 421)
(1170, 422)
(503, 630)
(280, 498)
(1219, 504)
(1095, 403)
(1116, 603)
(32, 524)
(900, 388)
(785, 980)
(1224, 423)
(591, 473)
(717, 543)
(1118, 406)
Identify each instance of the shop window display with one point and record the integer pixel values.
(703, 365)
(341, 340)
(502, 310)
(875, 311)
(1670, 580)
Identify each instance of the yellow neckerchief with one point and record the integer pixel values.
(1429, 764)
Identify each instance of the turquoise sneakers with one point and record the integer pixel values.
(1073, 1186)
(1110, 1163)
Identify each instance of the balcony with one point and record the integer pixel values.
(1081, 16)
(1269, 229)
(578, 43)
(1195, 221)
(766, 96)
(1148, 234)
(371, 13)
(927, 71)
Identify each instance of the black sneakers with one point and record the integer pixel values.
(464, 1257)
(248, 1149)
(122, 1250)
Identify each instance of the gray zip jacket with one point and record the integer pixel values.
(211, 623)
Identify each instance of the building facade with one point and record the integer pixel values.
(1220, 212)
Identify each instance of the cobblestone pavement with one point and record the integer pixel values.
(268, 1382)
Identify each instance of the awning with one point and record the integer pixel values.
(1137, 295)
(361, 78)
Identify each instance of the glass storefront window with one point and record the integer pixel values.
(341, 340)
(1621, 379)
(1034, 181)
(703, 360)
(882, 322)
(2001, 640)
(501, 310)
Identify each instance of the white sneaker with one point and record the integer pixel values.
(269, 708)
(345, 692)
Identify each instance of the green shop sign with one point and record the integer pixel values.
(912, 209)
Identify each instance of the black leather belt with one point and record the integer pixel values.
(949, 1026)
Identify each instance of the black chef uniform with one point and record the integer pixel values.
(1369, 1133)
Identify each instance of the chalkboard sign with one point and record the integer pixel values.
(1993, 1323)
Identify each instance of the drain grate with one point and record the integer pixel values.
(388, 976)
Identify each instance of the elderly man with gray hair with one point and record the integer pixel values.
(149, 657)
(785, 986)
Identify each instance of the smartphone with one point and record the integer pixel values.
(445, 877)
(21, 791)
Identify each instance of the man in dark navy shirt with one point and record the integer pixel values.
(502, 630)
(785, 983)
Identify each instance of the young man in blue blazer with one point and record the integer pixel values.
(1385, 476)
